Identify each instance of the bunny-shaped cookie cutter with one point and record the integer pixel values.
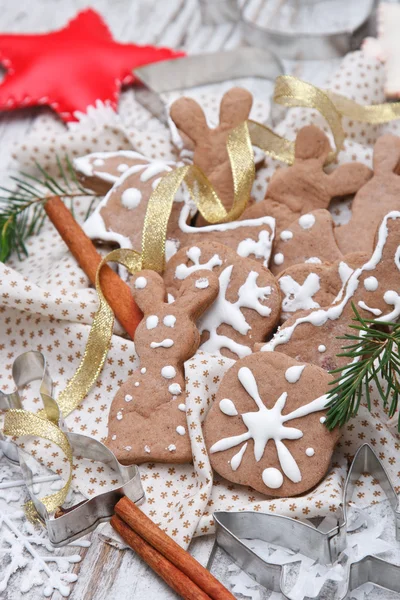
(325, 547)
(84, 517)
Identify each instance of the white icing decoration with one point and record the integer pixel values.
(272, 478)
(321, 348)
(131, 198)
(143, 370)
(128, 448)
(293, 374)
(181, 430)
(286, 235)
(334, 311)
(202, 283)
(171, 248)
(128, 398)
(310, 451)
(169, 320)
(137, 384)
(122, 168)
(268, 424)
(279, 258)
(156, 182)
(322, 420)
(344, 272)
(307, 221)
(260, 247)
(147, 449)
(371, 284)
(182, 407)
(223, 311)
(114, 437)
(168, 372)
(85, 164)
(152, 322)
(171, 448)
(98, 162)
(170, 299)
(167, 343)
(119, 415)
(237, 458)
(314, 260)
(299, 297)
(194, 254)
(175, 389)
(227, 407)
(140, 283)
(374, 311)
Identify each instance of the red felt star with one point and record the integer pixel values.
(71, 68)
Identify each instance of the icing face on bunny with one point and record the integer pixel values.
(248, 304)
(378, 197)
(374, 288)
(209, 145)
(265, 428)
(147, 417)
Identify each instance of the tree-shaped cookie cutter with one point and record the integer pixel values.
(325, 547)
(85, 516)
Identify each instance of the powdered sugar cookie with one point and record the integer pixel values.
(147, 418)
(248, 305)
(312, 336)
(310, 239)
(266, 426)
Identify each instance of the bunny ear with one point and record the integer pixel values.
(235, 107)
(311, 142)
(189, 118)
(387, 155)
(148, 289)
(198, 292)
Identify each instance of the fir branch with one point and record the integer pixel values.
(373, 357)
(21, 209)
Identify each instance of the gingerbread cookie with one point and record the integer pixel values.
(266, 426)
(310, 239)
(147, 418)
(248, 305)
(378, 197)
(312, 285)
(312, 336)
(209, 145)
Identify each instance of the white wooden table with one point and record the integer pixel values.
(105, 572)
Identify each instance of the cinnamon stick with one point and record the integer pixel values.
(176, 580)
(115, 290)
(149, 531)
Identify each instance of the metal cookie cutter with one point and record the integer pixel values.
(325, 547)
(84, 517)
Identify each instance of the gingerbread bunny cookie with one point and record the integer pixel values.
(248, 305)
(313, 336)
(147, 418)
(266, 426)
(209, 145)
(378, 197)
(310, 239)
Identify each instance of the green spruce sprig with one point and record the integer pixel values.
(373, 357)
(21, 209)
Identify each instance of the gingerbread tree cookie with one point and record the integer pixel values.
(147, 418)
(266, 426)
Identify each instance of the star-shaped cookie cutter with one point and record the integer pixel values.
(85, 516)
(324, 547)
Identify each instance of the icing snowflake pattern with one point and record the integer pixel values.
(267, 424)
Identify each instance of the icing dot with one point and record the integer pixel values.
(151, 322)
(306, 221)
(272, 478)
(322, 420)
(171, 299)
(279, 258)
(310, 451)
(202, 283)
(175, 389)
(391, 297)
(181, 430)
(168, 372)
(321, 348)
(143, 370)
(371, 284)
(131, 198)
(147, 449)
(137, 384)
(286, 235)
(314, 260)
(172, 447)
(99, 162)
(228, 408)
(127, 448)
(128, 398)
(182, 407)
(119, 415)
(293, 374)
(114, 437)
(122, 168)
(140, 283)
(169, 320)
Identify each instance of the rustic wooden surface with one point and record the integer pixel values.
(105, 572)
